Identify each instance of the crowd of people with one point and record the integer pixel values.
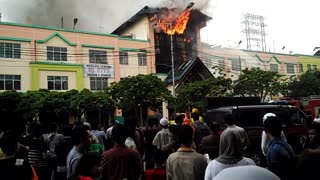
(189, 150)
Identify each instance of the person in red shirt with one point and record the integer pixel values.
(121, 162)
(159, 170)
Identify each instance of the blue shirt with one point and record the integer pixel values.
(280, 158)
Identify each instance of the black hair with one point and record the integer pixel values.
(152, 121)
(130, 121)
(67, 131)
(9, 142)
(37, 131)
(159, 157)
(185, 135)
(86, 163)
(119, 133)
(112, 121)
(53, 127)
(79, 132)
(215, 127)
(228, 119)
(94, 125)
(273, 126)
(195, 116)
(179, 118)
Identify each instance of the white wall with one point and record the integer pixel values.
(140, 29)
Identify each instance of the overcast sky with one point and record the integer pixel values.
(291, 23)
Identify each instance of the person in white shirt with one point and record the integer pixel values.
(264, 138)
(164, 138)
(230, 154)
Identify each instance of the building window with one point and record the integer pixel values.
(57, 82)
(308, 67)
(221, 63)
(123, 57)
(96, 56)
(10, 50)
(56, 53)
(300, 68)
(236, 66)
(98, 83)
(274, 67)
(142, 59)
(290, 68)
(10, 82)
(314, 67)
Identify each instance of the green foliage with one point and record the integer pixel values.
(140, 90)
(256, 82)
(193, 94)
(307, 84)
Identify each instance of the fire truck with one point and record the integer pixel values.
(309, 105)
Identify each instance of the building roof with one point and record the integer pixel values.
(191, 70)
(145, 11)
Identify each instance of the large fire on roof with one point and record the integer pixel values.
(176, 26)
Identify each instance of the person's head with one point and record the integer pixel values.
(314, 136)
(67, 131)
(89, 165)
(37, 131)
(53, 127)
(9, 143)
(164, 123)
(119, 133)
(179, 119)
(185, 135)
(195, 116)
(268, 115)
(152, 122)
(159, 158)
(246, 173)
(230, 144)
(87, 124)
(215, 128)
(273, 126)
(112, 122)
(94, 125)
(228, 119)
(81, 136)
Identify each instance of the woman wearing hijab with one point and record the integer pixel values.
(230, 155)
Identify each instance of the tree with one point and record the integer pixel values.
(193, 94)
(9, 113)
(256, 82)
(307, 84)
(88, 101)
(131, 93)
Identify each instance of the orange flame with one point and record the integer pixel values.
(178, 26)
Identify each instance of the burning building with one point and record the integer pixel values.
(159, 25)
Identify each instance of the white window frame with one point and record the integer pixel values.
(98, 56)
(60, 83)
(10, 50)
(290, 68)
(58, 53)
(142, 59)
(13, 79)
(98, 80)
(123, 57)
(274, 67)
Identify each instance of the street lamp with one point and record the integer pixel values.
(189, 6)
